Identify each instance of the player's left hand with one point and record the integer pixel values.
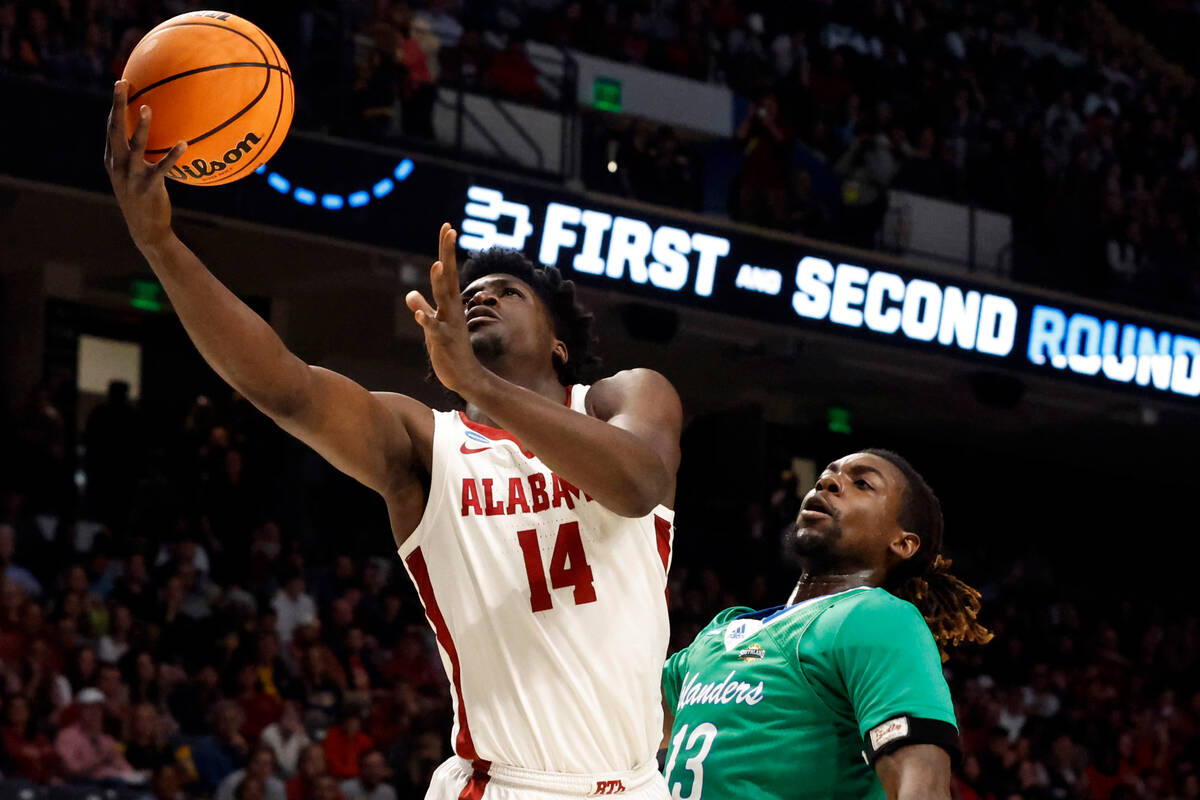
(445, 327)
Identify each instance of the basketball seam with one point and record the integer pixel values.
(227, 122)
(209, 68)
(264, 63)
(283, 87)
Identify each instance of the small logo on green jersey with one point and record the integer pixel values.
(751, 653)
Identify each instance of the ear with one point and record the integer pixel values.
(905, 545)
(559, 353)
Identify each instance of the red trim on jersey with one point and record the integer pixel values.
(662, 529)
(499, 434)
(477, 782)
(463, 745)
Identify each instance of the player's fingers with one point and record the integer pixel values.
(117, 147)
(447, 254)
(137, 142)
(416, 302)
(445, 294)
(168, 161)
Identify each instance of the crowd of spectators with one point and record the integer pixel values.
(163, 632)
(159, 631)
(362, 68)
(1058, 116)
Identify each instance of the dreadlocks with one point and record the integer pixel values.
(950, 607)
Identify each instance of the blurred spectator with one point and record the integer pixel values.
(166, 784)
(86, 752)
(115, 642)
(261, 768)
(344, 743)
(11, 571)
(442, 21)
(225, 750)
(274, 675)
(393, 712)
(416, 765)
(512, 74)
(867, 168)
(761, 196)
(1124, 253)
(287, 738)
(327, 788)
(259, 708)
(370, 783)
(465, 63)
(292, 606)
(303, 786)
(418, 92)
(133, 588)
(146, 749)
(29, 752)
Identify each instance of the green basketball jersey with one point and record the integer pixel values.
(789, 702)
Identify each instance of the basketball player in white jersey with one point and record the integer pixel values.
(536, 524)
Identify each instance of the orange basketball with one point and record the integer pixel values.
(217, 82)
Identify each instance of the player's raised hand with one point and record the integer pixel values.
(445, 327)
(139, 185)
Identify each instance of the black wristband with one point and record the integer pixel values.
(890, 736)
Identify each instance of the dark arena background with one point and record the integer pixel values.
(964, 231)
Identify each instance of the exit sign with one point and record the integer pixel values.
(606, 94)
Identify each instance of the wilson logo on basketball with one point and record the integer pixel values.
(199, 168)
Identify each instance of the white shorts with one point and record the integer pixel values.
(459, 779)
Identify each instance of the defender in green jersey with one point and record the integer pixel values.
(839, 694)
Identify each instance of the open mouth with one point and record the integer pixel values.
(816, 507)
(476, 322)
(479, 315)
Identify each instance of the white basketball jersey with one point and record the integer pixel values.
(549, 610)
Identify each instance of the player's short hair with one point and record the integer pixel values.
(572, 322)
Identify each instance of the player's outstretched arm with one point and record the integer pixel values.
(624, 453)
(363, 434)
(915, 772)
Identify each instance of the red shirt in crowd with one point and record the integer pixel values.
(32, 757)
(342, 750)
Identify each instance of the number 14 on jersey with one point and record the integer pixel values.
(568, 567)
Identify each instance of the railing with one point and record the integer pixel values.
(488, 125)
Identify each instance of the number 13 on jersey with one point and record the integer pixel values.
(692, 770)
(568, 567)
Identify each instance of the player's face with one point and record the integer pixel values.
(506, 317)
(852, 514)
